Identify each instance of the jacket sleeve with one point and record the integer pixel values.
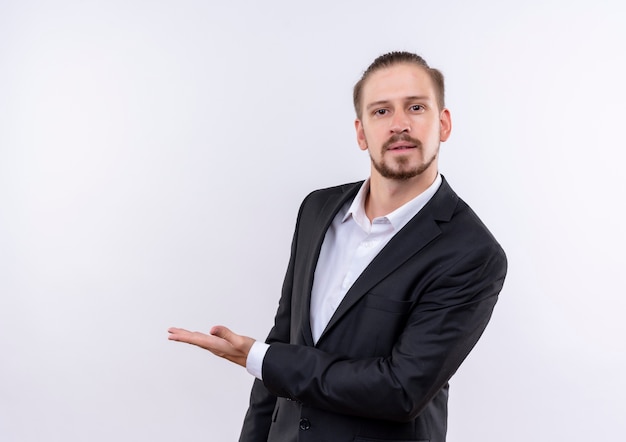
(441, 329)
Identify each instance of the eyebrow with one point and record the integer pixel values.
(410, 98)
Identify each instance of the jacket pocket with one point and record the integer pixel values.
(387, 305)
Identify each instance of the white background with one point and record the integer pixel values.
(153, 155)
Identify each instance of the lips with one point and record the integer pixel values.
(401, 146)
(401, 142)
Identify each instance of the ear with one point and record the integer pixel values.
(360, 134)
(445, 125)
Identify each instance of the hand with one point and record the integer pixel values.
(221, 342)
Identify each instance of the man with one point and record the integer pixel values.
(389, 286)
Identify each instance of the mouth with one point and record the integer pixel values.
(400, 146)
(401, 143)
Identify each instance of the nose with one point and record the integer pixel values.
(400, 123)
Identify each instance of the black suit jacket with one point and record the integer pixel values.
(380, 369)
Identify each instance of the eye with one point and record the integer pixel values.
(417, 108)
(380, 112)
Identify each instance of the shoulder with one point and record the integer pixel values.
(335, 190)
(329, 194)
(460, 223)
(320, 206)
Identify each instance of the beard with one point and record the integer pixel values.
(402, 170)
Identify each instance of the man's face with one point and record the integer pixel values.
(401, 125)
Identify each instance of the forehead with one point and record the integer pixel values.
(398, 81)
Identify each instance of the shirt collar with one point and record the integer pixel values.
(399, 217)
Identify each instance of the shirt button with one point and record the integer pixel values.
(305, 424)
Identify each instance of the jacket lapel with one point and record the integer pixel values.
(321, 224)
(411, 239)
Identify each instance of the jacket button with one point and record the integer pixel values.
(305, 424)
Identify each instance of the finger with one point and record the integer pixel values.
(173, 331)
(182, 335)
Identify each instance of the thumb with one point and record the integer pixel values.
(223, 332)
(241, 343)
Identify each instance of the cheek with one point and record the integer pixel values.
(430, 134)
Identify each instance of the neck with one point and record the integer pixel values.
(386, 195)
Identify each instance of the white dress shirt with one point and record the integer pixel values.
(350, 244)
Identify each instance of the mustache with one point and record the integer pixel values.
(401, 137)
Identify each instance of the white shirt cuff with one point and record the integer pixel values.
(254, 363)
